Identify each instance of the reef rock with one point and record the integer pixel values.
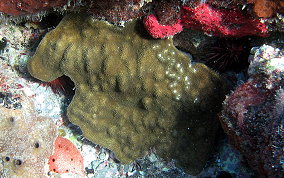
(253, 115)
(133, 93)
(24, 149)
(22, 7)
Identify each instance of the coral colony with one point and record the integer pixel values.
(106, 93)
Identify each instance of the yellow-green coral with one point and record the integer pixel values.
(133, 93)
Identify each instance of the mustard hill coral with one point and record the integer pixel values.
(133, 93)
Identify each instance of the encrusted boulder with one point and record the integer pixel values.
(253, 115)
(133, 93)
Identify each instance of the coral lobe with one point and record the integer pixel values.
(132, 93)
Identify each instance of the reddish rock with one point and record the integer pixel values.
(254, 125)
(167, 12)
(24, 7)
(253, 118)
(114, 10)
(246, 95)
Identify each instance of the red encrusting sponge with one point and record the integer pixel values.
(66, 158)
(157, 30)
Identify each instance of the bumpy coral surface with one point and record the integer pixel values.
(24, 150)
(22, 7)
(133, 93)
(253, 115)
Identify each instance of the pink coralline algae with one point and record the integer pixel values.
(253, 115)
(156, 30)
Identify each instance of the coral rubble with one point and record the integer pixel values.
(133, 93)
(253, 114)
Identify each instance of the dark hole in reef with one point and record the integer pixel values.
(46, 24)
(67, 170)
(141, 31)
(17, 105)
(89, 171)
(53, 160)
(3, 44)
(8, 101)
(12, 119)
(51, 20)
(54, 170)
(7, 158)
(71, 159)
(18, 162)
(224, 174)
(36, 145)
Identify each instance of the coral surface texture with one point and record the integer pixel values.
(133, 93)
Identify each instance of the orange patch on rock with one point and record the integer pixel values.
(266, 8)
(66, 158)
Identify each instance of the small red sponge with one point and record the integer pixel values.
(66, 158)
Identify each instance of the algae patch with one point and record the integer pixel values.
(133, 93)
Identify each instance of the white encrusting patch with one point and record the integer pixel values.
(175, 72)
